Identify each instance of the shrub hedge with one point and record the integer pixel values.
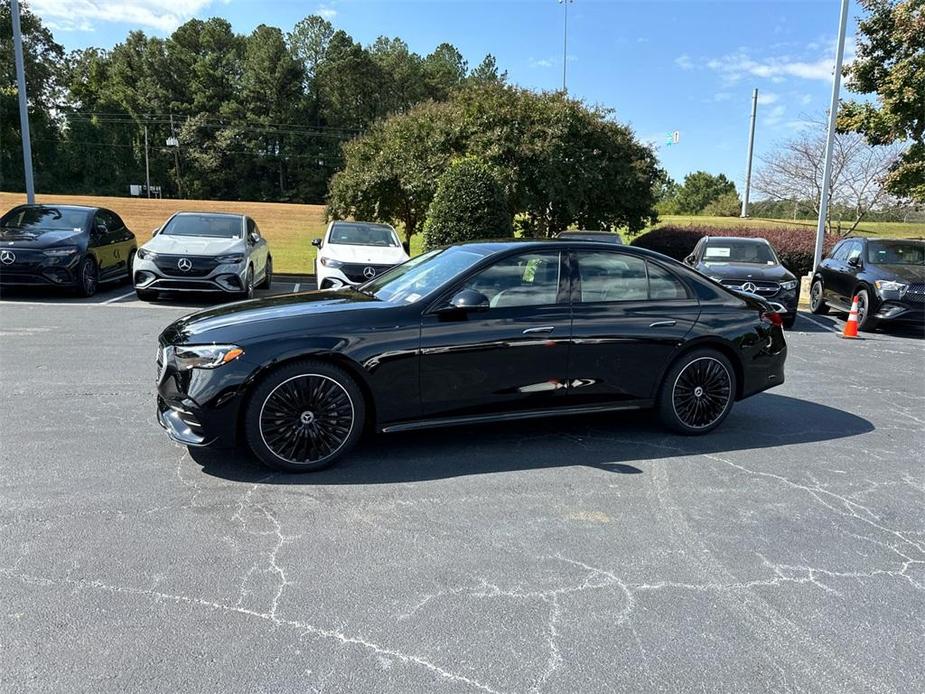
(794, 247)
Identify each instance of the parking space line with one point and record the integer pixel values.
(117, 298)
(295, 289)
(819, 323)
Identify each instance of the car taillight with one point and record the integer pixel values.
(773, 318)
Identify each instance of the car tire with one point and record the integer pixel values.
(130, 265)
(697, 393)
(304, 416)
(789, 321)
(146, 294)
(88, 277)
(248, 292)
(817, 304)
(268, 275)
(866, 321)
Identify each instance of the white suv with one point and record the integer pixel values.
(351, 253)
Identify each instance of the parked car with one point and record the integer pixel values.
(351, 253)
(583, 235)
(64, 246)
(886, 275)
(748, 265)
(204, 251)
(469, 333)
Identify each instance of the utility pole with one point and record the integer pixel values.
(147, 166)
(175, 143)
(23, 105)
(830, 138)
(566, 3)
(751, 149)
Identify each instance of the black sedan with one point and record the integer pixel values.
(464, 334)
(64, 246)
(748, 265)
(887, 276)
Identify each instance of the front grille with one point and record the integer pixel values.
(19, 260)
(358, 273)
(916, 293)
(200, 265)
(7, 277)
(167, 285)
(762, 287)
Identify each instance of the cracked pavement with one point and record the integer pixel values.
(784, 552)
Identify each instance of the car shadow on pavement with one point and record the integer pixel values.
(807, 323)
(611, 442)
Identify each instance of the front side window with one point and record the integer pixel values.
(841, 251)
(854, 251)
(611, 277)
(348, 234)
(528, 279)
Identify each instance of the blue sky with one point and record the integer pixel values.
(661, 65)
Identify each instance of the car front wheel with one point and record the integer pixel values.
(248, 292)
(304, 417)
(697, 393)
(816, 303)
(866, 320)
(87, 277)
(267, 275)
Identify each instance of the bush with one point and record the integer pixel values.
(469, 204)
(726, 205)
(794, 247)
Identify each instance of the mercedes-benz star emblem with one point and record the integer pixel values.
(369, 272)
(7, 257)
(749, 287)
(185, 264)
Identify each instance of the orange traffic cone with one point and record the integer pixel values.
(851, 327)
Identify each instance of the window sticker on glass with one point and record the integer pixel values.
(717, 252)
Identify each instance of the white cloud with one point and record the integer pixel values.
(542, 62)
(775, 116)
(684, 62)
(767, 97)
(806, 99)
(722, 96)
(739, 65)
(326, 11)
(161, 15)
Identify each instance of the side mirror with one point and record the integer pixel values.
(154, 233)
(854, 262)
(316, 243)
(406, 246)
(470, 301)
(691, 259)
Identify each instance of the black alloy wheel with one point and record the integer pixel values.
(816, 303)
(304, 417)
(698, 392)
(129, 265)
(267, 275)
(866, 320)
(87, 277)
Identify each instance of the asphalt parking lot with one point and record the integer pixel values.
(784, 552)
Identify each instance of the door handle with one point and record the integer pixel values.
(663, 324)
(542, 329)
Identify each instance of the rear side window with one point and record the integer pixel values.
(606, 277)
(663, 285)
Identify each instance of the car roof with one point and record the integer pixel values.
(748, 239)
(86, 208)
(209, 214)
(499, 246)
(380, 225)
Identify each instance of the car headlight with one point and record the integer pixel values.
(232, 259)
(188, 357)
(330, 262)
(150, 255)
(789, 284)
(890, 286)
(62, 252)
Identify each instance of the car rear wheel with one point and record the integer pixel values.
(697, 393)
(866, 320)
(88, 276)
(304, 417)
(816, 303)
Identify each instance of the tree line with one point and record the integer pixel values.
(261, 116)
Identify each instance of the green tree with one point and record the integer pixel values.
(890, 64)
(487, 72)
(349, 83)
(728, 204)
(699, 190)
(444, 70)
(469, 204)
(402, 74)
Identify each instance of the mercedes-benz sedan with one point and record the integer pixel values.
(464, 334)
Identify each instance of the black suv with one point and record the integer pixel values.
(751, 266)
(886, 275)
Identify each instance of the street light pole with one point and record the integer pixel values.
(23, 105)
(830, 137)
(147, 166)
(751, 149)
(566, 3)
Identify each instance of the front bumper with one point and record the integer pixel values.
(901, 310)
(181, 425)
(348, 275)
(228, 278)
(40, 272)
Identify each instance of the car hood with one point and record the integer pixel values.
(193, 245)
(746, 271)
(372, 255)
(16, 238)
(244, 315)
(903, 273)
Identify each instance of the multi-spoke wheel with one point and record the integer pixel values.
(816, 303)
(698, 392)
(268, 275)
(866, 320)
(87, 277)
(248, 292)
(304, 416)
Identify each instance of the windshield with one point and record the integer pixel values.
(39, 219)
(420, 276)
(362, 235)
(739, 252)
(896, 252)
(213, 226)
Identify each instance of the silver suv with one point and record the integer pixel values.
(204, 252)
